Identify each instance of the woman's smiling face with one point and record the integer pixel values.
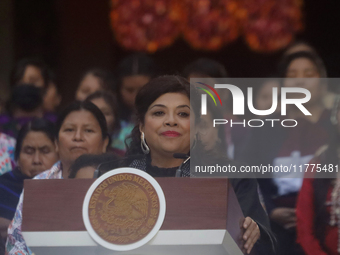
(167, 124)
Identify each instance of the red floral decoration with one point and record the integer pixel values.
(146, 25)
(149, 25)
(270, 25)
(210, 24)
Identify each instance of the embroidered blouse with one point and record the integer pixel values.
(7, 146)
(16, 244)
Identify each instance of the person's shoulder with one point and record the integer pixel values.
(4, 178)
(6, 140)
(53, 173)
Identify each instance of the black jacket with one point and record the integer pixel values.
(246, 191)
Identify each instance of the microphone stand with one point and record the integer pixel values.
(181, 156)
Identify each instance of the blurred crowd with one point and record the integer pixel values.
(37, 134)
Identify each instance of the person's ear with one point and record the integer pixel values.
(141, 127)
(106, 143)
(17, 162)
(56, 145)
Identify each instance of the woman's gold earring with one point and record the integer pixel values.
(143, 145)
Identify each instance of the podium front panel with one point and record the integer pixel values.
(196, 219)
(56, 205)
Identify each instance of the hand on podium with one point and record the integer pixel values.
(251, 235)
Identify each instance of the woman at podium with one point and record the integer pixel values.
(164, 114)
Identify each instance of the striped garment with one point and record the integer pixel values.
(11, 185)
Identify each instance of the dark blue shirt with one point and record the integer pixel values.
(11, 186)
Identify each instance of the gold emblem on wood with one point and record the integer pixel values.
(124, 208)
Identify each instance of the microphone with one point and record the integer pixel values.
(186, 157)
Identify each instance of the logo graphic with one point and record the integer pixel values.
(122, 210)
(212, 89)
(282, 98)
(238, 100)
(204, 97)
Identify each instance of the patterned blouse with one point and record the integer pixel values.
(7, 146)
(16, 244)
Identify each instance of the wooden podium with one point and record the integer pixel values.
(198, 218)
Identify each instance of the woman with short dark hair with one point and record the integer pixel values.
(165, 113)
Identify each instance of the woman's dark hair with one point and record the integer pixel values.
(86, 106)
(26, 97)
(287, 59)
(148, 94)
(106, 79)
(299, 42)
(36, 125)
(87, 160)
(111, 100)
(206, 67)
(19, 70)
(136, 64)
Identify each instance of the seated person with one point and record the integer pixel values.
(35, 152)
(25, 104)
(81, 129)
(36, 72)
(108, 104)
(133, 73)
(317, 208)
(94, 80)
(279, 146)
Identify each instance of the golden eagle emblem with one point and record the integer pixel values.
(125, 210)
